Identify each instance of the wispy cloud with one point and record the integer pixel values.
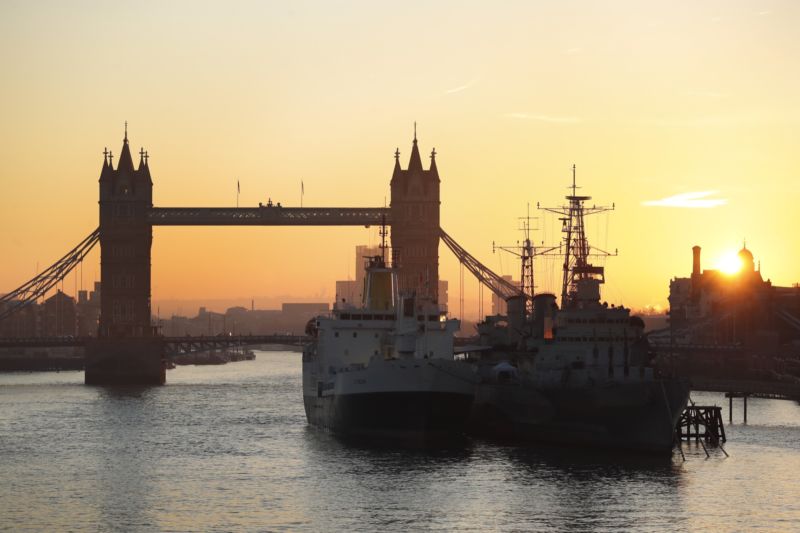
(764, 13)
(698, 199)
(734, 118)
(543, 118)
(574, 50)
(461, 87)
(706, 94)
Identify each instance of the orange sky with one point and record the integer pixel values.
(649, 101)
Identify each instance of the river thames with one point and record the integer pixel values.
(223, 448)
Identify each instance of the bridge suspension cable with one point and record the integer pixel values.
(29, 292)
(501, 287)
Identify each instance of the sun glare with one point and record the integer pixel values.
(730, 263)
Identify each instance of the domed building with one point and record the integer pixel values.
(734, 305)
(746, 257)
(740, 308)
(731, 326)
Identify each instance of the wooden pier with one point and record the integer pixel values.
(701, 422)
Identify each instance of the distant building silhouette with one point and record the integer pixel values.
(58, 317)
(351, 291)
(88, 311)
(444, 294)
(499, 306)
(291, 318)
(22, 324)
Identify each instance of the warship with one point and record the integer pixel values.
(579, 374)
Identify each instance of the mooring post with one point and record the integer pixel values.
(730, 408)
(745, 408)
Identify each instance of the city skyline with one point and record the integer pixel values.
(683, 118)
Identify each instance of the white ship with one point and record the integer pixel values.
(386, 370)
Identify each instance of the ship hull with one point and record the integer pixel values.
(416, 403)
(404, 417)
(631, 416)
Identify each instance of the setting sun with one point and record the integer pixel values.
(730, 263)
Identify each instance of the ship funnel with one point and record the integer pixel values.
(380, 285)
(544, 312)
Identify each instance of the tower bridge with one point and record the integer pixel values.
(128, 349)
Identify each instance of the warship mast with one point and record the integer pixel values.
(577, 251)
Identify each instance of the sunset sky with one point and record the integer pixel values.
(685, 115)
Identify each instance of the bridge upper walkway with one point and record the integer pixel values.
(269, 216)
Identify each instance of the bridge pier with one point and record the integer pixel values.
(125, 362)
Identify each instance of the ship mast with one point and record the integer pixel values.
(577, 250)
(383, 232)
(525, 251)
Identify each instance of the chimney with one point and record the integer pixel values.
(695, 289)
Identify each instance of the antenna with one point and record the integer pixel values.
(526, 251)
(574, 187)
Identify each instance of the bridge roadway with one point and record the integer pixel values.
(269, 216)
(173, 346)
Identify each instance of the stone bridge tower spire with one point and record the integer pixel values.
(415, 223)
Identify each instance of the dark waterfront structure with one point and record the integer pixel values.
(740, 309)
(58, 315)
(291, 318)
(128, 349)
(733, 333)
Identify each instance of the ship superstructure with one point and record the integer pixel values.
(588, 342)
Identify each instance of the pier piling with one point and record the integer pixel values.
(702, 422)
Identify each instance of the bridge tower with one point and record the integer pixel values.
(127, 350)
(415, 223)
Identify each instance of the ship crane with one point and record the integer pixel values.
(499, 286)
